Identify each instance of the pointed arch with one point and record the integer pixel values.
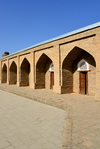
(82, 65)
(13, 73)
(25, 73)
(42, 72)
(4, 74)
(70, 75)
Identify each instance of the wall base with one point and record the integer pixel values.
(57, 89)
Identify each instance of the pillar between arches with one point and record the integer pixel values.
(97, 88)
(57, 70)
(18, 71)
(32, 70)
(8, 71)
(97, 95)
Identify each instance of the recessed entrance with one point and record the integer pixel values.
(83, 82)
(51, 69)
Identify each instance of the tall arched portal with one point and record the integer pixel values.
(25, 73)
(73, 75)
(4, 74)
(44, 78)
(13, 73)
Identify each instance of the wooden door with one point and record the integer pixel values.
(83, 82)
(51, 80)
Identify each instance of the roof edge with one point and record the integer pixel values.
(95, 25)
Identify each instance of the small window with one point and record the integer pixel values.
(83, 65)
(51, 68)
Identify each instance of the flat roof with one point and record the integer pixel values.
(95, 25)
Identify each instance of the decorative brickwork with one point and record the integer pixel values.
(31, 67)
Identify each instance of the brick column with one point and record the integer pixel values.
(7, 71)
(97, 59)
(57, 70)
(18, 71)
(32, 70)
(97, 95)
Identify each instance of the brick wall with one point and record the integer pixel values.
(33, 64)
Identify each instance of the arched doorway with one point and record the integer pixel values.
(51, 69)
(71, 75)
(25, 73)
(43, 73)
(4, 74)
(83, 68)
(13, 73)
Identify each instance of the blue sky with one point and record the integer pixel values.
(24, 23)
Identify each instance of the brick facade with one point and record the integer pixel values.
(31, 67)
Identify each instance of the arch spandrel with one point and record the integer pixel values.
(39, 55)
(76, 52)
(44, 57)
(11, 60)
(12, 63)
(4, 66)
(4, 63)
(67, 51)
(25, 57)
(25, 60)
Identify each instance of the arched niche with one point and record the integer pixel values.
(43, 69)
(13, 73)
(25, 73)
(75, 60)
(4, 74)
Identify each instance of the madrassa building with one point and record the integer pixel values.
(66, 64)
